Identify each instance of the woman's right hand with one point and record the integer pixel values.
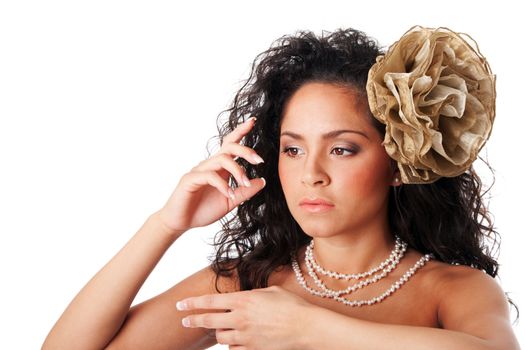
(203, 195)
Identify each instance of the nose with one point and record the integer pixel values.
(314, 174)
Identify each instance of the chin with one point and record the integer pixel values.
(317, 230)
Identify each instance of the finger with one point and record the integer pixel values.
(216, 320)
(223, 161)
(242, 194)
(198, 179)
(230, 337)
(236, 150)
(238, 133)
(226, 301)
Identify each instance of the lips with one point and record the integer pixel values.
(316, 205)
(315, 201)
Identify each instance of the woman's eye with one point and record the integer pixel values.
(340, 151)
(291, 151)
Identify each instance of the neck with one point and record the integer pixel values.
(356, 252)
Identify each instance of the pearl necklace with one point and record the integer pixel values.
(397, 254)
(387, 266)
(399, 250)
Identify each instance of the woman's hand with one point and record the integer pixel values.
(203, 195)
(267, 318)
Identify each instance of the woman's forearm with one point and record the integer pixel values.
(330, 330)
(98, 311)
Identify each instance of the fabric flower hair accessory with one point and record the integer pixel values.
(436, 95)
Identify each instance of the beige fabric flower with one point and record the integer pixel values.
(436, 95)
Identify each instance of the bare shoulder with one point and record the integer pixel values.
(157, 324)
(444, 275)
(472, 302)
(455, 282)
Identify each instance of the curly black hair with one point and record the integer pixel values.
(447, 218)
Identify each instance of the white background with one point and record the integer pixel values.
(105, 104)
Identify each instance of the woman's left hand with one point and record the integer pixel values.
(267, 318)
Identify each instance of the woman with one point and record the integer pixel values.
(329, 179)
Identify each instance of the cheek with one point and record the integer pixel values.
(369, 177)
(284, 175)
(289, 178)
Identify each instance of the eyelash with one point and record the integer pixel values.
(286, 149)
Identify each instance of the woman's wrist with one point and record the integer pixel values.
(164, 229)
(309, 327)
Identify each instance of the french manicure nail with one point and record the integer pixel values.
(181, 305)
(249, 119)
(185, 322)
(246, 181)
(257, 159)
(232, 195)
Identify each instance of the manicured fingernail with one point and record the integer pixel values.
(232, 195)
(249, 119)
(181, 305)
(264, 180)
(246, 181)
(185, 322)
(257, 159)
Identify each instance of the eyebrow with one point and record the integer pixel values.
(328, 135)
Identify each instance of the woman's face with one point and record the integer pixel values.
(318, 161)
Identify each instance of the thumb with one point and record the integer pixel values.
(243, 193)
